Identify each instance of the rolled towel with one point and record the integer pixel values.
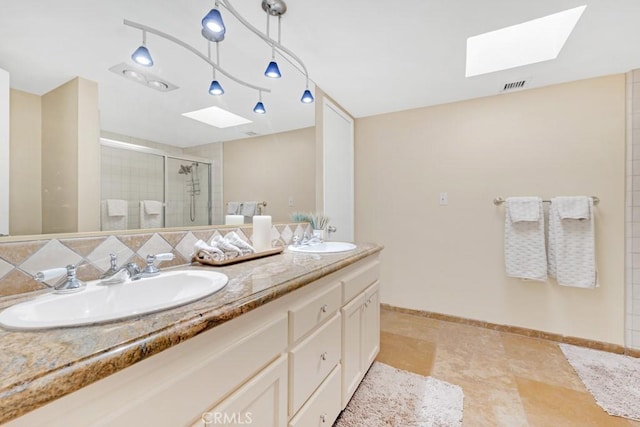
(230, 251)
(235, 240)
(210, 256)
(201, 245)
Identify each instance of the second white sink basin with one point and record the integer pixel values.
(102, 303)
(324, 247)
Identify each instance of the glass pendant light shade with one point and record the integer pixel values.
(215, 88)
(307, 97)
(142, 56)
(212, 22)
(259, 108)
(272, 70)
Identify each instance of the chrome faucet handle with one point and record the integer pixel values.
(151, 270)
(113, 269)
(67, 285)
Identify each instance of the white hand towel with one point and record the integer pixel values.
(572, 253)
(233, 208)
(109, 222)
(523, 208)
(524, 249)
(249, 208)
(149, 220)
(117, 207)
(575, 207)
(152, 207)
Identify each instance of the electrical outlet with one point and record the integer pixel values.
(291, 202)
(444, 199)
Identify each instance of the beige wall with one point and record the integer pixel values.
(71, 153)
(25, 201)
(272, 168)
(88, 156)
(567, 139)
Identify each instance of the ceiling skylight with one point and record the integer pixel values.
(216, 116)
(527, 43)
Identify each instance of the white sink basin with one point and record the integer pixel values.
(324, 247)
(103, 303)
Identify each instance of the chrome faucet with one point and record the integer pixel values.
(67, 285)
(115, 275)
(131, 270)
(305, 240)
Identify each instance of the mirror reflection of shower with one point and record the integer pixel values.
(193, 186)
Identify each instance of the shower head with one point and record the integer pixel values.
(185, 170)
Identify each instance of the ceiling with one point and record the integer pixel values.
(371, 57)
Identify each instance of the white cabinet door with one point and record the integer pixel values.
(371, 325)
(261, 402)
(352, 370)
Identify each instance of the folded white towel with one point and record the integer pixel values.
(574, 207)
(523, 208)
(572, 253)
(109, 222)
(233, 208)
(249, 208)
(524, 248)
(149, 220)
(117, 207)
(152, 207)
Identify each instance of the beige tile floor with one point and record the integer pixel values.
(508, 380)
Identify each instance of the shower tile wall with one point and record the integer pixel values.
(212, 152)
(132, 176)
(632, 226)
(179, 195)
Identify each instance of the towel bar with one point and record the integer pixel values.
(499, 200)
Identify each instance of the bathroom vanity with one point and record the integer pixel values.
(286, 343)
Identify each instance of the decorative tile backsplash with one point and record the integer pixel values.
(19, 261)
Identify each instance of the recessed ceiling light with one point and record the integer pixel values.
(143, 77)
(527, 43)
(216, 116)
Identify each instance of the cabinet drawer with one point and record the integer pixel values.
(309, 314)
(312, 360)
(261, 401)
(323, 407)
(358, 280)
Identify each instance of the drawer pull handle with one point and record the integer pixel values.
(323, 356)
(323, 418)
(324, 308)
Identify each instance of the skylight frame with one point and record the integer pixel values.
(527, 43)
(217, 117)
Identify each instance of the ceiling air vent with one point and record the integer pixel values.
(251, 133)
(514, 85)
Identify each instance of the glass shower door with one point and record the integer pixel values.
(188, 193)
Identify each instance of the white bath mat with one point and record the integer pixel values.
(612, 379)
(392, 397)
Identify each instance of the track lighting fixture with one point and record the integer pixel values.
(272, 70)
(214, 30)
(259, 108)
(215, 88)
(307, 97)
(212, 23)
(141, 55)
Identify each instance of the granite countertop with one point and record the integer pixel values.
(40, 366)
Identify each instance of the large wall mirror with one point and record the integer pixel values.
(73, 84)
